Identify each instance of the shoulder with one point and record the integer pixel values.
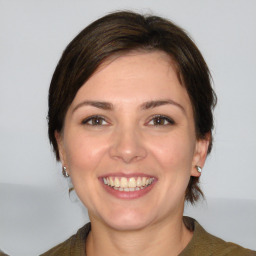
(75, 245)
(2, 253)
(206, 244)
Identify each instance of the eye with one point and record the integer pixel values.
(160, 120)
(95, 121)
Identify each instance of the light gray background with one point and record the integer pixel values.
(35, 211)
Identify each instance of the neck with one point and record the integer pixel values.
(164, 238)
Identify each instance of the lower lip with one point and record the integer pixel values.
(128, 194)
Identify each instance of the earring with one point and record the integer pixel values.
(199, 169)
(64, 172)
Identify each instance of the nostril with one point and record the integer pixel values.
(127, 148)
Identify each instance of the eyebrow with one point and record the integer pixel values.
(97, 104)
(157, 103)
(144, 106)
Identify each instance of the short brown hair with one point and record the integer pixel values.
(119, 33)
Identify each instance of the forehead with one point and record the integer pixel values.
(144, 57)
(139, 76)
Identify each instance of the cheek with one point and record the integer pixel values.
(174, 151)
(83, 152)
(173, 155)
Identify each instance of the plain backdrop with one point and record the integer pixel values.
(33, 35)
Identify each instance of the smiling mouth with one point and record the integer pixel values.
(128, 184)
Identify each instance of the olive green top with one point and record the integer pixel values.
(2, 253)
(201, 244)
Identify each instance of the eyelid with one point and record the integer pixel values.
(167, 118)
(89, 118)
(86, 120)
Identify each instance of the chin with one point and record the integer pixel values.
(126, 225)
(125, 221)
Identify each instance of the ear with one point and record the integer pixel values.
(61, 150)
(200, 154)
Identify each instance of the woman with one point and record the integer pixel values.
(130, 119)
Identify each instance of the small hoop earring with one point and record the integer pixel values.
(64, 172)
(199, 169)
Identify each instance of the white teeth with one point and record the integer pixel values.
(111, 182)
(139, 182)
(132, 183)
(117, 183)
(124, 182)
(128, 184)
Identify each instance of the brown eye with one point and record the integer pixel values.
(94, 121)
(161, 121)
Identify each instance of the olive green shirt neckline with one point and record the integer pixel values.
(202, 243)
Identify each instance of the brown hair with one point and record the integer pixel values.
(119, 33)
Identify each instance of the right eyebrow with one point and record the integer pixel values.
(98, 104)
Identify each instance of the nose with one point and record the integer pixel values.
(127, 145)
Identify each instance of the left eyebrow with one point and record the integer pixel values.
(157, 103)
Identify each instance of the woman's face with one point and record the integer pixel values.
(129, 142)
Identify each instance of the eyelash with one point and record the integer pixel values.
(94, 118)
(100, 119)
(161, 118)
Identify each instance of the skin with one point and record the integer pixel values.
(128, 140)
